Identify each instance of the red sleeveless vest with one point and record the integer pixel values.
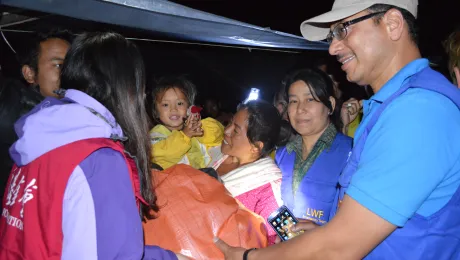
(31, 221)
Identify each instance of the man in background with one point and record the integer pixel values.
(452, 46)
(41, 60)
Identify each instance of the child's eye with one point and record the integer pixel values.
(292, 101)
(180, 103)
(164, 105)
(310, 99)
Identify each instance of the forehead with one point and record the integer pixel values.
(54, 48)
(173, 93)
(299, 88)
(241, 117)
(360, 14)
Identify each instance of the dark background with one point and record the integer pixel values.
(229, 73)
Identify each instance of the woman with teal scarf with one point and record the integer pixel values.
(311, 162)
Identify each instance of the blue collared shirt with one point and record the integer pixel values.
(411, 160)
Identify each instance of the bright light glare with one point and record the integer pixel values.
(253, 95)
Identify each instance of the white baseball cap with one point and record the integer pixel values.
(317, 28)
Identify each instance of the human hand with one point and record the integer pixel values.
(192, 126)
(230, 253)
(302, 226)
(182, 257)
(350, 110)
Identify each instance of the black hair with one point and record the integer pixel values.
(15, 100)
(265, 125)
(156, 167)
(31, 52)
(408, 17)
(281, 98)
(170, 82)
(109, 68)
(322, 88)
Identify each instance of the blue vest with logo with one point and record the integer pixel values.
(433, 237)
(315, 195)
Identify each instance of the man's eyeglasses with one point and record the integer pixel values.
(340, 31)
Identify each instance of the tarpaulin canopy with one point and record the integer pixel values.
(171, 19)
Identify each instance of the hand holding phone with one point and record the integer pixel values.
(282, 221)
(302, 226)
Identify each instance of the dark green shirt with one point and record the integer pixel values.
(301, 166)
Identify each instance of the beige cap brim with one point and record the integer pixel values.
(317, 28)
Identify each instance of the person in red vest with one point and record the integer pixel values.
(81, 181)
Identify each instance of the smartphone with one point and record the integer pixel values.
(282, 221)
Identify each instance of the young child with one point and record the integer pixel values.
(182, 138)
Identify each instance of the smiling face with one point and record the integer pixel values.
(307, 115)
(172, 108)
(236, 142)
(363, 51)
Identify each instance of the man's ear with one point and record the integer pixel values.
(457, 76)
(394, 22)
(29, 74)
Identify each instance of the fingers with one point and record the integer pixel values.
(193, 126)
(182, 257)
(277, 240)
(353, 106)
(189, 120)
(197, 128)
(223, 247)
(304, 226)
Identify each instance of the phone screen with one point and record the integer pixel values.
(282, 221)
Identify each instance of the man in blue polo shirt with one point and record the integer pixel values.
(400, 195)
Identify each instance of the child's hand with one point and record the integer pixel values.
(193, 126)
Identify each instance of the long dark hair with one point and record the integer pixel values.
(110, 69)
(266, 126)
(322, 88)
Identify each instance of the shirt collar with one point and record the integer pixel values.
(327, 138)
(94, 106)
(392, 85)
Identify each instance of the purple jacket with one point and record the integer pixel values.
(100, 217)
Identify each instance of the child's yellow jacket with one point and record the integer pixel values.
(170, 148)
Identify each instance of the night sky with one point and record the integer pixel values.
(436, 18)
(228, 73)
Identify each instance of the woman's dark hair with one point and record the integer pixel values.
(110, 69)
(321, 87)
(265, 125)
(169, 82)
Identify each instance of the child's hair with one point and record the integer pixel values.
(166, 83)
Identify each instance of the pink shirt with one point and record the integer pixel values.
(261, 201)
